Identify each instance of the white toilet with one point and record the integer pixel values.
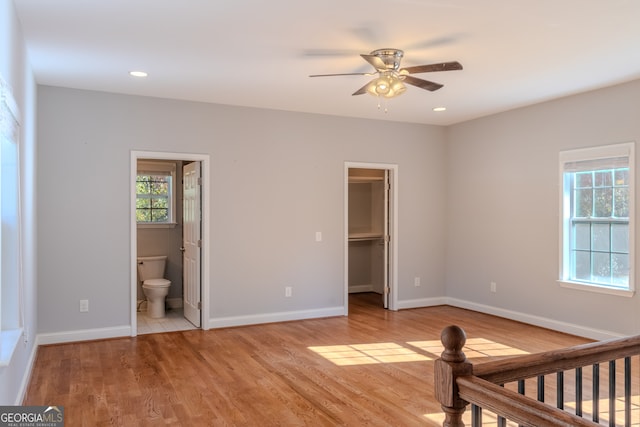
(154, 285)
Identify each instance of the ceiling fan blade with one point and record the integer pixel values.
(342, 74)
(422, 84)
(362, 90)
(444, 66)
(376, 61)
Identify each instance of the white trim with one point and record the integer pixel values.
(613, 151)
(422, 303)
(205, 161)
(599, 289)
(26, 377)
(8, 343)
(85, 335)
(556, 325)
(285, 316)
(393, 229)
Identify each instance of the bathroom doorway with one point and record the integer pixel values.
(183, 239)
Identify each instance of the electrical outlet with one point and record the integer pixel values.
(416, 281)
(84, 305)
(494, 287)
(318, 236)
(287, 291)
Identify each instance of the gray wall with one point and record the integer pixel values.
(503, 208)
(277, 178)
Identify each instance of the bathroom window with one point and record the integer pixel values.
(155, 193)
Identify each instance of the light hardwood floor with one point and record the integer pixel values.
(374, 368)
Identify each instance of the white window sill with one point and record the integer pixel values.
(157, 225)
(596, 288)
(8, 344)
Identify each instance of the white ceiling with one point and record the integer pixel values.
(260, 53)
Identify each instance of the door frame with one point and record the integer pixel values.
(205, 161)
(393, 229)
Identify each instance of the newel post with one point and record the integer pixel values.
(451, 364)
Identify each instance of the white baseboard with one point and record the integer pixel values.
(556, 325)
(255, 319)
(174, 302)
(26, 379)
(360, 288)
(83, 335)
(422, 302)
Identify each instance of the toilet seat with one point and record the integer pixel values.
(157, 283)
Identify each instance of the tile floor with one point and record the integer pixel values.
(173, 321)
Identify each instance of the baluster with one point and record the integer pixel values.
(451, 364)
(596, 393)
(560, 390)
(502, 421)
(476, 416)
(579, 392)
(541, 388)
(521, 390)
(612, 393)
(627, 391)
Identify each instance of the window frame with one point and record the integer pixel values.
(12, 317)
(604, 154)
(159, 168)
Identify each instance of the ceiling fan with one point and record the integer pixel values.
(391, 78)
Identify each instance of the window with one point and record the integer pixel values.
(597, 218)
(11, 279)
(155, 193)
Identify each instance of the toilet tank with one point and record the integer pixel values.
(151, 267)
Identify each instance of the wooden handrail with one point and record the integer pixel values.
(549, 362)
(521, 409)
(458, 382)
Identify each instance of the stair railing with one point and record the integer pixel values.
(459, 383)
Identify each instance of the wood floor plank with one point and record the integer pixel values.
(374, 367)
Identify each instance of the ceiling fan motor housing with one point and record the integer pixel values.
(390, 57)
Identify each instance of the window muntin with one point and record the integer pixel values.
(155, 193)
(597, 196)
(153, 198)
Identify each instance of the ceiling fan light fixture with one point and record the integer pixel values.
(387, 86)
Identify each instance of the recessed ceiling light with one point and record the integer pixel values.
(137, 73)
(439, 108)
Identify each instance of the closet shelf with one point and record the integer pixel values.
(365, 179)
(354, 237)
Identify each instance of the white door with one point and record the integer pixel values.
(386, 239)
(191, 242)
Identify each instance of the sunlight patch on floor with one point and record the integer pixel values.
(474, 348)
(587, 410)
(363, 354)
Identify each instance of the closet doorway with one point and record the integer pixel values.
(371, 232)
